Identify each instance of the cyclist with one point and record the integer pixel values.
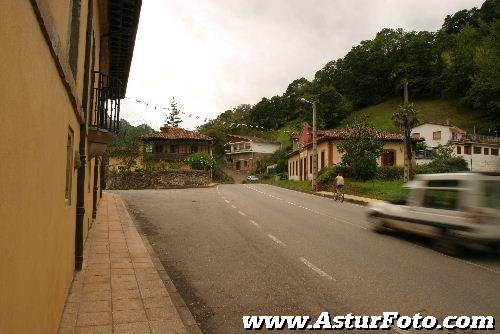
(339, 184)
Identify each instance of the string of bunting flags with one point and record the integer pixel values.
(189, 115)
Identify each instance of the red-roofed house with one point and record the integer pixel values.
(300, 160)
(174, 144)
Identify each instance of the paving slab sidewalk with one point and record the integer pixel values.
(123, 288)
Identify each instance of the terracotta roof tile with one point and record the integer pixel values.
(343, 133)
(170, 132)
(248, 138)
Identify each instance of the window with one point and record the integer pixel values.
(174, 148)
(74, 35)
(290, 168)
(322, 159)
(69, 167)
(158, 147)
(247, 146)
(436, 135)
(245, 163)
(388, 158)
(416, 135)
(459, 149)
(467, 150)
(494, 151)
(477, 150)
(296, 167)
(486, 151)
(441, 199)
(149, 148)
(310, 164)
(194, 149)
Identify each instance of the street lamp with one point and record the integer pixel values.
(315, 149)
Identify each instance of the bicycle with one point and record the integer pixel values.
(339, 196)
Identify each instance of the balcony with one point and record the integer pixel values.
(104, 117)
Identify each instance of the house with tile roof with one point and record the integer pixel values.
(243, 152)
(300, 160)
(174, 144)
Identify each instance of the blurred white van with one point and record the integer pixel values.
(454, 209)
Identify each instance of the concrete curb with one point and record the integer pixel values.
(346, 199)
(185, 315)
(315, 193)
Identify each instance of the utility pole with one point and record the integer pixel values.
(315, 150)
(407, 158)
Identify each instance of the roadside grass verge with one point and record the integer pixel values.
(376, 189)
(304, 186)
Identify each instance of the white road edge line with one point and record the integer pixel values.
(254, 223)
(276, 240)
(242, 213)
(316, 269)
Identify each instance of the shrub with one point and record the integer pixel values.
(389, 173)
(447, 165)
(283, 176)
(201, 161)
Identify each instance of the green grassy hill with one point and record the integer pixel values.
(438, 111)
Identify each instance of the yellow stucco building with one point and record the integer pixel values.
(300, 160)
(64, 66)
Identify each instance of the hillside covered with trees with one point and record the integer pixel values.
(457, 67)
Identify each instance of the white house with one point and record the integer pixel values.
(436, 134)
(243, 152)
(480, 152)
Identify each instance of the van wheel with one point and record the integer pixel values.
(377, 223)
(445, 245)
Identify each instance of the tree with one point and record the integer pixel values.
(361, 149)
(406, 118)
(173, 118)
(127, 146)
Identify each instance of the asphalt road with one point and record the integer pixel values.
(256, 249)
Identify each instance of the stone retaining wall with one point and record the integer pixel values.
(158, 179)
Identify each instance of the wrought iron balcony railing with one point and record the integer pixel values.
(106, 94)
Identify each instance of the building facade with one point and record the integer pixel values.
(300, 160)
(479, 151)
(243, 152)
(64, 66)
(434, 135)
(174, 144)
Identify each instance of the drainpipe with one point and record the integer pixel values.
(96, 187)
(80, 192)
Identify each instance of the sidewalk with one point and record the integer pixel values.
(119, 289)
(349, 198)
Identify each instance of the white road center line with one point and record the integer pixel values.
(226, 201)
(316, 269)
(276, 240)
(233, 206)
(254, 223)
(322, 214)
(242, 213)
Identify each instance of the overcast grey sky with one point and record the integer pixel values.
(215, 54)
